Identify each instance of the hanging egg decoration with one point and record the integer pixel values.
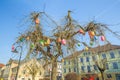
(48, 41)
(91, 36)
(63, 41)
(32, 45)
(86, 48)
(28, 38)
(92, 33)
(62, 60)
(13, 48)
(78, 44)
(102, 38)
(22, 39)
(58, 39)
(95, 38)
(91, 43)
(81, 31)
(42, 42)
(37, 21)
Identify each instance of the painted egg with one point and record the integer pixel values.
(95, 38)
(102, 38)
(13, 48)
(32, 45)
(48, 41)
(81, 31)
(86, 48)
(37, 21)
(62, 60)
(63, 41)
(59, 39)
(92, 33)
(27, 38)
(42, 42)
(78, 44)
(91, 43)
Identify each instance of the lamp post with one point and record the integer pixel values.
(15, 51)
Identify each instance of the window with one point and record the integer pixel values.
(104, 56)
(69, 62)
(81, 59)
(64, 70)
(112, 55)
(115, 65)
(119, 52)
(109, 76)
(74, 62)
(69, 70)
(94, 58)
(95, 67)
(88, 68)
(87, 59)
(23, 78)
(82, 67)
(29, 79)
(74, 69)
(84, 53)
(107, 66)
(64, 62)
(24, 71)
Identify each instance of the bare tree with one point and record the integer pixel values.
(33, 69)
(59, 40)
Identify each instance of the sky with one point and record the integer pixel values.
(14, 12)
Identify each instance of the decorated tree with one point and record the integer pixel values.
(53, 42)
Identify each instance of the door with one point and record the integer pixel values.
(117, 76)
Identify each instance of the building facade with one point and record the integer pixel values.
(107, 56)
(26, 68)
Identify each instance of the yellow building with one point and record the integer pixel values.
(107, 57)
(9, 71)
(27, 69)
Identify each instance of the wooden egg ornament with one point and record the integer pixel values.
(48, 41)
(37, 21)
(86, 48)
(78, 44)
(81, 31)
(42, 42)
(13, 48)
(28, 38)
(95, 38)
(32, 45)
(63, 41)
(92, 33)
(62, 60)
(59, 39)
(91, 43)
(102, 38)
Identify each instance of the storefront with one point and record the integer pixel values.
(113, 74)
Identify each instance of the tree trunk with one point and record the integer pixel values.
(102, 75)
(54, 71)
(33, 77)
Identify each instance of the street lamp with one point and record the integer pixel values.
(15, 51)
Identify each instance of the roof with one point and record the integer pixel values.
(1, 65)
(98, 49)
